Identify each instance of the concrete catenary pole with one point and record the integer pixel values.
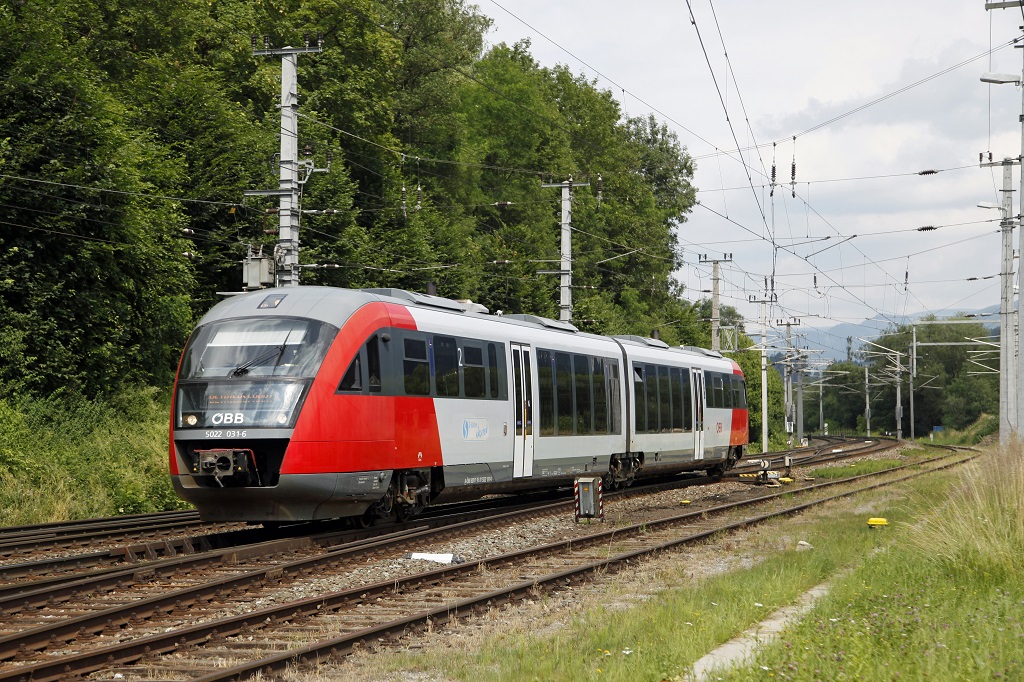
(1007, 361)
(899, 399)
(768, 298)
(799, 399)
(764, 375)
(565, 264)
(1020, 274)
(716, 317)
(867, 401)
(289, 185)
(912, 374)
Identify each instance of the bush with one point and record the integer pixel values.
(68, 457)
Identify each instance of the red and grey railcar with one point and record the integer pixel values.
(308, 403)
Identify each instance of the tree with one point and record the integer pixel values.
(93, 284)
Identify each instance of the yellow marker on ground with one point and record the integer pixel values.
(877, 522)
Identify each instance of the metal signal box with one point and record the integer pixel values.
(588, 494)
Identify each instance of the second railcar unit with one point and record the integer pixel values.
(306, 403)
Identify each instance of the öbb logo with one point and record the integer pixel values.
(227, 418)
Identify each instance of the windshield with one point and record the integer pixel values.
(257, 347)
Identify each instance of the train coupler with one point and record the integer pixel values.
(222, 463)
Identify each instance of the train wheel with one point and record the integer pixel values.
(718, 470)
(404, 512)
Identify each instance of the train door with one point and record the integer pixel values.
(697, 376)
(522, 402)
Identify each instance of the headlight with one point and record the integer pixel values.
(191, 420)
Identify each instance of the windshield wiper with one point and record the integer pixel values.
(243, 369)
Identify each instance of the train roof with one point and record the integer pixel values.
(335, 305)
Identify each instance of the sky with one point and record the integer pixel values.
(747, 73)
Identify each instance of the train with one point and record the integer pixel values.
(305, 403)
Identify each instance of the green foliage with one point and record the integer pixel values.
(130, 132)
(973, 434)
(63, 458)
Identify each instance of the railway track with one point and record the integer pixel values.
(158, 636)
(26, 540)
(57, 577)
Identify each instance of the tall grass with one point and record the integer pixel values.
(986, 425)
(65, 458)
(980, 530)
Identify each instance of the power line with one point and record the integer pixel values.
(117, 191)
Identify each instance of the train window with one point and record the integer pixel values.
(353, 379)
(664, 400)
(600, 397)
(416, 367)
(611, 373)
(563, 394)
(492, 370)
(717, 390)
(677, 399)
(473, 372)
(739, 392)
(446, 366)
(373, 364)
(639, 399)
(546, 391)
(651, 374)
(584, 411)
(257, 347)
(687, 401)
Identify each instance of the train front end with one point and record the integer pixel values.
(244, 378)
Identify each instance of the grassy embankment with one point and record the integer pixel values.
(62, 459)
(936, 595)
(987, 425)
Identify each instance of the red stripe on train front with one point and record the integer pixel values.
(173, 455)
(361, 432)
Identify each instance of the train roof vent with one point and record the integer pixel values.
(472, 307)
(426, 299)
(544, 321)
(703, 351)
(656, 343)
